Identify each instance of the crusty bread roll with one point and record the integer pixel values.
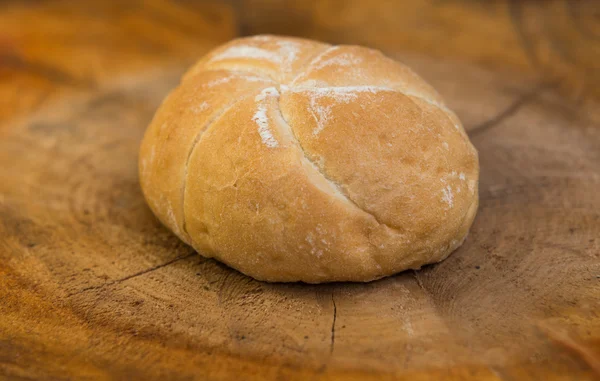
(294, 160)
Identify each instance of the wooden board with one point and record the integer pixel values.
(92, 287)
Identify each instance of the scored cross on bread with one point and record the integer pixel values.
(294, 160)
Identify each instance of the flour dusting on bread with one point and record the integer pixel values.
(262, 120)
(341, 60)
(285, 54)
(448, 197)
(249, 78)
(322, 100)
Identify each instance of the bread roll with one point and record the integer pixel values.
(293, 160)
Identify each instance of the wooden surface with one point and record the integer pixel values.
(92, 287)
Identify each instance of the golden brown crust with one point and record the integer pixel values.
(177, 125)
(312, 163)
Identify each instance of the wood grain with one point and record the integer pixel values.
(92, 287)
(558, 40)
(79, 46)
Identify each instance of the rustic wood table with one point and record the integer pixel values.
(93, 287)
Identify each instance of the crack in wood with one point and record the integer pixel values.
(120, 280)
(512, 109)
(414, 272)
(332, 342)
